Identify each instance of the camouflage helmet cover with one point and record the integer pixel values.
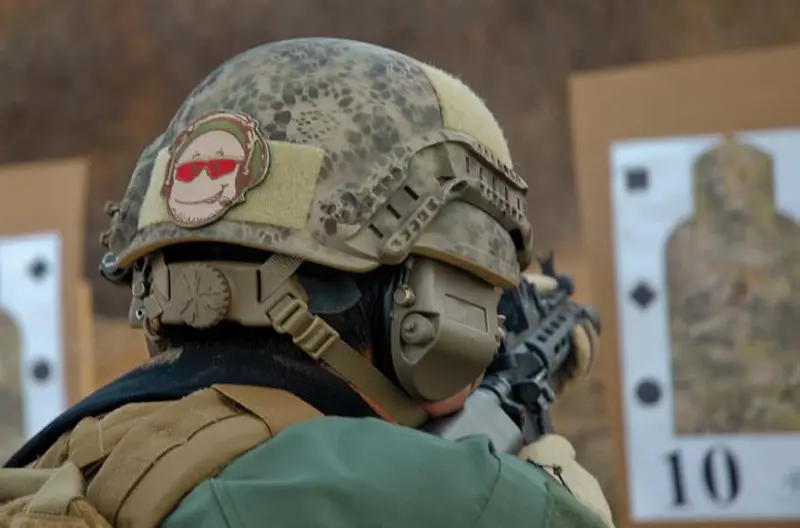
(362, 156)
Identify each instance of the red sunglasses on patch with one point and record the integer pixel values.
(215, 168)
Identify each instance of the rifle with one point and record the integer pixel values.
(511, 405)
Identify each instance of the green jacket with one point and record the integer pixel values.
(341, 472)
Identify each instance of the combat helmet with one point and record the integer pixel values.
(349, 156)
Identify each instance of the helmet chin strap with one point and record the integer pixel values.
(201, 294)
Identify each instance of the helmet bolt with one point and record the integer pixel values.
(417, 329)
(404, 296)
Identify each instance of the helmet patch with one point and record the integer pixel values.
(212, 165)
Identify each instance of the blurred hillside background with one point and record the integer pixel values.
(101, 78)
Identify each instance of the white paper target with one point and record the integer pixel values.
(30, 292)
(701, 475)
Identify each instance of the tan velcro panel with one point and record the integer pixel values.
(163, 456)
(465, 111)
(284, 198)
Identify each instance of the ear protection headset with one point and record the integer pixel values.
(436, 329)
(437, 325)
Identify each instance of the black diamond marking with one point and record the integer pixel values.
(648, 392)
(38, 269)
(637, 179)
(643, 295)
(41, 370)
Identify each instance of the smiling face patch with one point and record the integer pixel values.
(213, 163)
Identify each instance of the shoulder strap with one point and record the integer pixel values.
(20, 482)
(37, 498)
(164, 455)
(62, 487)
